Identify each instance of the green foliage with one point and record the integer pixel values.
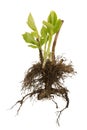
(58, 25)
(44, 39)
(29, 38)
(44, 35)
(31, 22)
(33, 46)
(52, 18)
(50, 27)
(43, 31)
(34, 34)
(53, 24)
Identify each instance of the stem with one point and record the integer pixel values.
(45, 52)
(40, 51)
(54, 45)
(41, 56)
(48, 49)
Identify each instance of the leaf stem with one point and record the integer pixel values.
(49, 44)
(41, 56)
(54, 45)
(40, 51)
(47, 51)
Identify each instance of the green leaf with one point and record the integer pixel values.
(49, 26)
(44, 35)
(31, 22)
(34, 34)
(32, 46)
(58, 25)
(52, 18)
(42, 41)
(29, 38)
(43, 31)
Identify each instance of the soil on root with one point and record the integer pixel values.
(48, 81)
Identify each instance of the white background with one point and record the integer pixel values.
(16, 58)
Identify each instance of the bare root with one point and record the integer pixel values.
(20, 102)
(60, 112)
(46, 82)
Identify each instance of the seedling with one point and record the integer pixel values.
(45, 79)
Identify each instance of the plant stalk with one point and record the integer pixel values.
(54, 45)
(41, 56)
(40, 51)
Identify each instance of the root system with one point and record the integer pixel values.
(46, 82)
